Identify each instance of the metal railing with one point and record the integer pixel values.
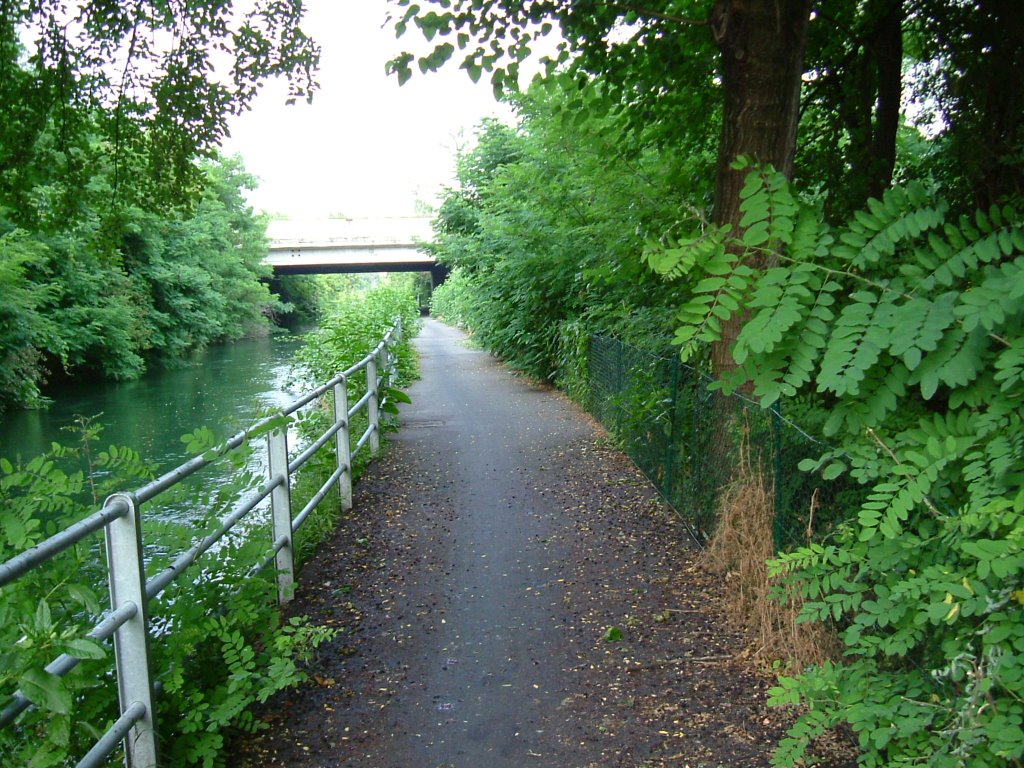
(130, 591)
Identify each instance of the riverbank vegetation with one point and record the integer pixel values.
(125, 239)
(95, 297)
(218, 643)
(351, 328)
(816, 207)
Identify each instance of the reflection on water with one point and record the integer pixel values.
(224, 388)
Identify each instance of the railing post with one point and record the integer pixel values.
(343, 442)
(127, 577)
(281, 511)
(373, 406)
(389, 367)
(395, 341)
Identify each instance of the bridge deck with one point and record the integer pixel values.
(341, 245)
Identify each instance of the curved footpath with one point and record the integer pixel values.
(487, 556)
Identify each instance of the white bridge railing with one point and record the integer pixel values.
(130, 590)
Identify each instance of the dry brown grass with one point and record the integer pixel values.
(740, 549)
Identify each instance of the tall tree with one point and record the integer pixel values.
(973, 51)
(154, 78)
(852, 106)
(757, 58)
(762, 54)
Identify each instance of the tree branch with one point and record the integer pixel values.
(647, 12)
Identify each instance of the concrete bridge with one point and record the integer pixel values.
(351, 245)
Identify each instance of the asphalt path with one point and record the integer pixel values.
(513, 593)
(488, 670)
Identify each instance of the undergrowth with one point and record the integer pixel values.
(740, 550)
(218, 644)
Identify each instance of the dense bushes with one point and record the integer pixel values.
(901, 334)
(124, 238)
(219, 645)
(355, 324)
(540, 236)
(108, 298)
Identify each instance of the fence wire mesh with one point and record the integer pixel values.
(684, 435)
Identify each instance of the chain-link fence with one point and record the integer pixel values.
(685, 437)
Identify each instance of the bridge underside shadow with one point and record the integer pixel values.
(438, 272)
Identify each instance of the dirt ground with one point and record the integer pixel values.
(600, 642)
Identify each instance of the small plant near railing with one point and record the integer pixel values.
(44, 614)
(357, 325)
(345, 334)
(220, 646)
(227, 647)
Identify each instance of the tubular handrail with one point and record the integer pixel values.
(307, 454)
(24, 562)
(157, 584)
(119, 518)
(360, 404)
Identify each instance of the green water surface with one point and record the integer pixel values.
(223, 388)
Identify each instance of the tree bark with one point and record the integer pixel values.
(888, 51)
(762, 54)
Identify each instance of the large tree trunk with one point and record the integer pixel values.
(762, 45)
(987, 128)
(869, 85)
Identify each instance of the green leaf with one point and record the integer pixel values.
(709, 285)
(84, 596)
(44, 620)
(83, 648)
(46, 691)
(399, 396)
(832, 471)
(756, 235)
(612, 635)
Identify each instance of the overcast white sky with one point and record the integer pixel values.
(365, 147)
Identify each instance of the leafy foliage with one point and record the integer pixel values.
(356, 323)
(902, 332)
(219, 645)
(25, 331)
(148, 86)
(542, 231)
(127, 237)
(175, 283)
(45, 614)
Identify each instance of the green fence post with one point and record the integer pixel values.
(779, 501)
(672, 453)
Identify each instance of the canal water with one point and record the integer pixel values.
(224, 388)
